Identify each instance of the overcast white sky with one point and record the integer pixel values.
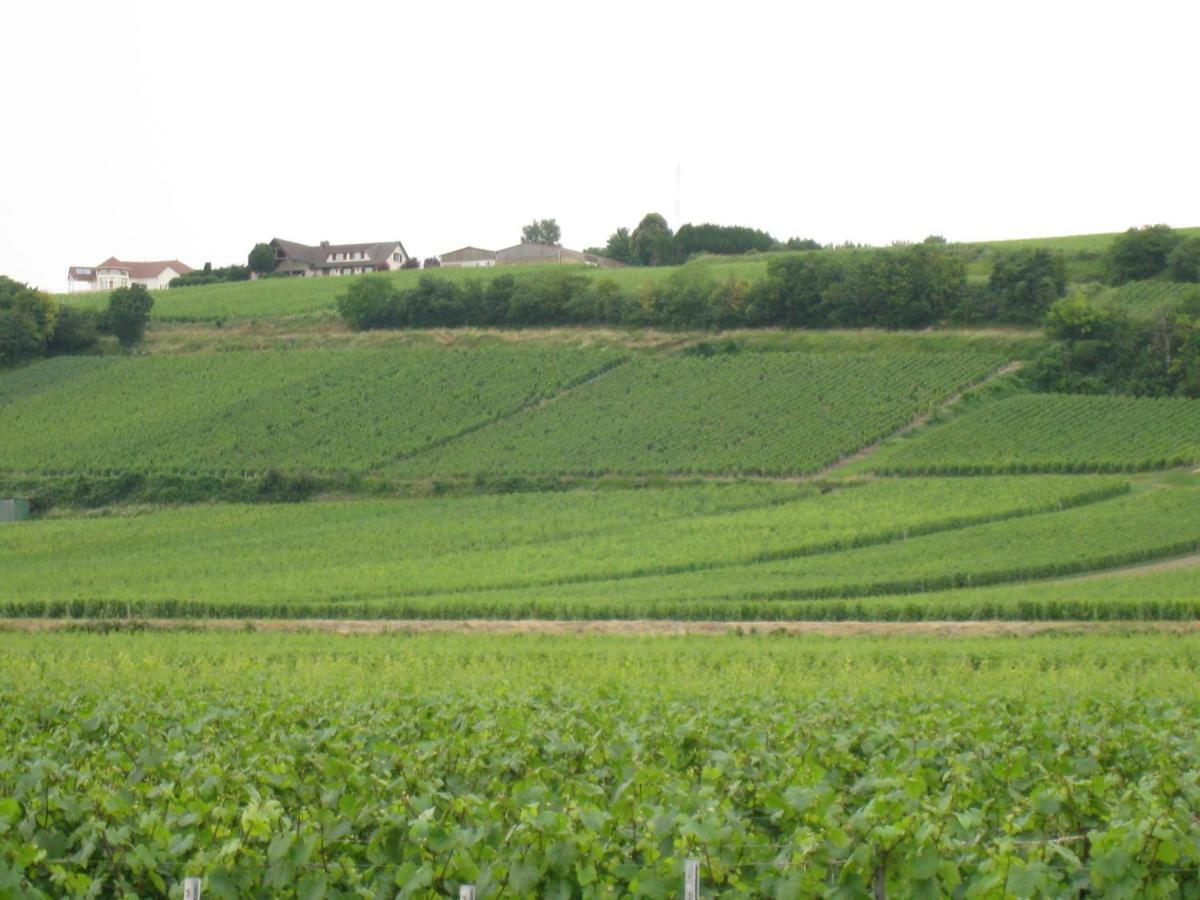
(153, 130)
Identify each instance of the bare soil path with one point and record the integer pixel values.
(920, 420)
(643, 627)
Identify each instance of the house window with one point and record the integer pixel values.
(368, 268)
(396, 256)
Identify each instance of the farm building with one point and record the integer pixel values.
(469, 257)
(527, 253)
(325, 258)
(114, 273)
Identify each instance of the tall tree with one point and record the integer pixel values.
(541, 231)
(652, 241)
(619, 246)
(262, 259)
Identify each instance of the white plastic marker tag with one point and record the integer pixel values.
(191, 889)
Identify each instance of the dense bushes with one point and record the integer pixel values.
(1022, 286)
(896, 287)
(127, 314)
(1184, 262)
(653, 243)
(33, 324)
(1140, 253)
(1098, 350)
(27, 321)
(726, 239)
(209, 275)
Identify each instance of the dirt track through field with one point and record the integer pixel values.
(920, 420)
(638, 627)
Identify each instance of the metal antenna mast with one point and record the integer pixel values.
(677, 192)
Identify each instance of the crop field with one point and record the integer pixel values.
(288, 297)
(554, 767)
(770, 551)
(412, 411)
(774, 413)
(1145, 298)
(1075, 243)
(351, 410)
(1053, 433)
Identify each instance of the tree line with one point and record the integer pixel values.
(33, 324)
(653, 243)
(904, 286)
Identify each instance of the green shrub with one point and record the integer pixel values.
(1184, 262)
(127, 314)
(75, 331)
(1140, 253)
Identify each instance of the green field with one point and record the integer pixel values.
(537, 766)
(779, 413)
(328, 410)
(1053, 433)
(412, 411)
(715, 551)
(158, 723)
(1143, 299)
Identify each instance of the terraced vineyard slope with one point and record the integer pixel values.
(710, 552)
(1053, 433)
(757, 413)
(354, 410)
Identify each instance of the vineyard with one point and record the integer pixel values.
(341, 410)
(557, 767)
(1144, 298)
(773, 413)
(769, 551)
(1054, 433)
(415, 411)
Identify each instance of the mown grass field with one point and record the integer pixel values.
(1053, 433)
(537, 766)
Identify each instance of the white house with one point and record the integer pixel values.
(337, 259)
(113, 273)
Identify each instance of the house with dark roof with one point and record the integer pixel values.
(327, 259)
(114, 273)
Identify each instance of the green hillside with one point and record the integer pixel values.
(423, 410)
(259, 558)
(287, 297)
(325, 410)
(1053, 433)
(314, 298)
(1071, 243)
(775, 413)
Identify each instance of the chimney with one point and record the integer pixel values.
(324, 244)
